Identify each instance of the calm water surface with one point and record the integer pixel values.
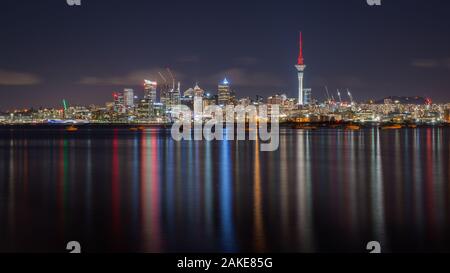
(322, 191)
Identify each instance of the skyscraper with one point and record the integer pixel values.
(173, 97)
(128, 97)
(307, 96)
(189, 92)
(198, 92)
(224, 93)
(150, 90)
(300, 69)
(144, 109)
(176, 95)
(119, 106)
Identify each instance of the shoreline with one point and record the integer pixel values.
(283, 125)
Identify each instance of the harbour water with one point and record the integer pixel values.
(327, 190)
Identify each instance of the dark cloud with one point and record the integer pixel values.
(431, 63)
(18, 78)
(425, 63)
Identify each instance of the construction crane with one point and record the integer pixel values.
(173, 78)
(64, 102)
(162, 77)
(350, 96)
(339, 96)
(328, 94)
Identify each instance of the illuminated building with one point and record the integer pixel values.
(224, 93)
(300, 69)
(233, 99)
(245, 101)
(189, 93)
(164, 90)
(176, 95)
(128, 97)
(198, 92)
(150, 88)
(447, 115)
(144, 108)
(209, 99)
(307, 99)
(276, 99)
(158, 110)
(170, 96)
(187, 101)
(119, 105)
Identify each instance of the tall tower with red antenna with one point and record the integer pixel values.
(300, 69)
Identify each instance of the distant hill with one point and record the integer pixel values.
(404, 100)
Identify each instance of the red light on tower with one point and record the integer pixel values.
(301, 60)
(428, 101)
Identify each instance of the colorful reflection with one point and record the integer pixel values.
(322, 191)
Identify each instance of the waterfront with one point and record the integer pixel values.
(323, 191)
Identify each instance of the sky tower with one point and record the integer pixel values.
(300, 68)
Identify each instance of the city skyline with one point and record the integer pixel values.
(223, 134)
(84, 54)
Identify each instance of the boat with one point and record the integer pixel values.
(304, 127)
(71, 129)
(391, 127)
(138, 128)
(353, 127)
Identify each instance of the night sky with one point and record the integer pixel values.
(50, 51)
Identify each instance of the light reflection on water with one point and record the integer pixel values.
(322, 191)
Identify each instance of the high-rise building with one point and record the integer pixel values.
(198, 92)
(119, 105)
(300, 69)
(170, 96)
(176, 95)
(128, 97)
(173, 97)
(208, 99)
(245, 101)
(144, 109)
(224, 93)
(150, 91)
(164, 90)
(233, 99)
(277, 99)
(189, 93)
(447, 115)
(307, 96)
